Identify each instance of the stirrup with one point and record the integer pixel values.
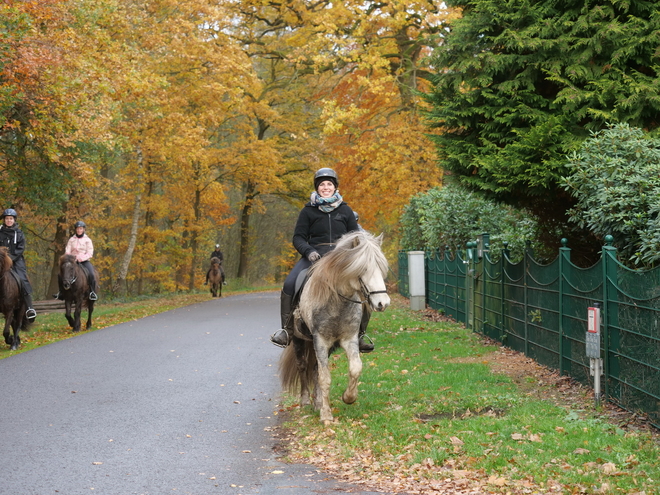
(366, 347)
(279, 342)
(93, 296)
(56, 296)
(30, 314)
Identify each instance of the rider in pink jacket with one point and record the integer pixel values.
(80, 246)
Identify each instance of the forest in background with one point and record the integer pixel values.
(168, 126)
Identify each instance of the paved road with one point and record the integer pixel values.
(177, 403)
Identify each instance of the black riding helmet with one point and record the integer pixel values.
(10, 212)
(325, 174)
(79, 223)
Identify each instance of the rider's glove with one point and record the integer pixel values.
(313, 256)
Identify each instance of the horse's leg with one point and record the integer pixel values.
(16, 323)
(9, 339)
(90, 310)
(354, 371)
(67, 313)
(316, 390)
(324, 378)
(76, 315)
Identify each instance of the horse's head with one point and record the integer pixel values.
(373, 278)
(68, 272)
(216, 261)
(358, 264)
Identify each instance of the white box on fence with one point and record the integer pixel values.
(416, 281)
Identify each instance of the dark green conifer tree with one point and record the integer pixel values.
(523, 82)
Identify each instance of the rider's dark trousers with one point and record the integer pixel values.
(290, 282)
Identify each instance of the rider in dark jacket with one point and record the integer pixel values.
(320, 224)
(216, 254)
(11, 236)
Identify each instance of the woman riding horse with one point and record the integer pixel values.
(320, 223)
(12, 237)
(81, 246)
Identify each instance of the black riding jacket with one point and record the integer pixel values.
(319, 231)
(14, 240)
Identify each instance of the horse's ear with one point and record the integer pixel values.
(380, 238)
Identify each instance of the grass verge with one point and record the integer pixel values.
(432, 415)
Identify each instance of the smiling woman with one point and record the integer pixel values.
(320, 224)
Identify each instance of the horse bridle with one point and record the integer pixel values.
(73, 280)
(366, 293)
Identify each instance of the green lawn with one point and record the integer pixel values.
(430, 408)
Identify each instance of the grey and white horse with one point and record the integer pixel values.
(328, 317)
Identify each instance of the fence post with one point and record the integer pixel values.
(416, 280)
(529, 253)
(609, 315)
(469, 285)
(564, 263)
(504, 259)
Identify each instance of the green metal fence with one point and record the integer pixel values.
(541, 310)
(404, 286)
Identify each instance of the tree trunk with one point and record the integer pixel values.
(126, 261)
(194, 240)
(59, 245)
(245, 231)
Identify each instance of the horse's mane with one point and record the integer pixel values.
(67, 258)
(340, 270)
(5, 261)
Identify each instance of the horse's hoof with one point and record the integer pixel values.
(327, 422)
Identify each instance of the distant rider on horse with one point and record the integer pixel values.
(11, 236)
(81, 246)
(216, 254)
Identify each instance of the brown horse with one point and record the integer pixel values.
(12, 305)
(75, 289)
(216, 277)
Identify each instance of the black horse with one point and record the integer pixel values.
(12, 304)
(75, 289)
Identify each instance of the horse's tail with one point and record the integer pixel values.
(289, 370)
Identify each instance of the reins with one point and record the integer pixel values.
(365, 292)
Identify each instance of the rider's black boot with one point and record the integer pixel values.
(365, 347)
(92, 293)
(282, 337)
(30, 314)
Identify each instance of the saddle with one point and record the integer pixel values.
(18, 279)
(91, 277)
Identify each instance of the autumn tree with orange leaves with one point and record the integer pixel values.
(161, 124)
